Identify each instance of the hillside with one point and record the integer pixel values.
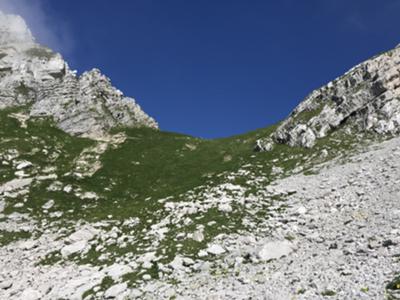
(97, 203)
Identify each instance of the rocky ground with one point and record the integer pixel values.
(331, 234)
(338, 238)
(130, 212)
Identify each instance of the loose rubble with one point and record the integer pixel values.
(286, 233)
(337, 236)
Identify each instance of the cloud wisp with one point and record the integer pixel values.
(46, 31)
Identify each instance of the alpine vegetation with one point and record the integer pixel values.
(97, 203)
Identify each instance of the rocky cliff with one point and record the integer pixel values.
(366, 98)
(34, 76)
(147, 214)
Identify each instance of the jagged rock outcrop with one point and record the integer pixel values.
(33, 75)
(366, 98)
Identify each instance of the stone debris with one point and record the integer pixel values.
(331, 233)
(115, 290)
(49, 204)
(15, 186)
(24, 165)
(31, 294)
(275, 250)
(116, 271)
(74, 248)
(215, 249)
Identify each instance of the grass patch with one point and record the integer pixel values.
(8, 237)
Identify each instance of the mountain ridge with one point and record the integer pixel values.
(365, 98)
(34, 75)
(107, 209)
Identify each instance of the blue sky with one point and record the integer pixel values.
(214, 68)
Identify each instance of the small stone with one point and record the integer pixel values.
(135, 293)
(388, 243)
(170, 293)
(215, 249)
(30, 294)
(146, 277)
(198, 236)
(28, 245)
(67, 189)
(24, 165)
(187, 261)
(115, 290)
(227, 208)
(5, 285)
(202, 253)
(116, 271)
(86, 233)
(301, 210)
(275, 250)
(264, 145)
(90, 196)
(333, 246)
(49, 204)
(73, 248)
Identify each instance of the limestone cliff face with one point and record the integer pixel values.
(366, 98)
(39, 78)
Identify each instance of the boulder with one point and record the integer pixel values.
(74, 248)
(31, 294)
(215, 249)
(116, 271)
(275, 250)
(115, 290)
(49, 204)
(24, 165)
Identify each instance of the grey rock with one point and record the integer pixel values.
(264, 145)
(15, 185)
(31, 294)
(215, 249)
(6, 284)
(86, 105)
(225, 207)
(365, 98)
(275, 250)
(116, 271)
(146, 277)
(115, 290)
(49, 204)
(198, 235)
(24, 165)
(74, 248)
(28, 245)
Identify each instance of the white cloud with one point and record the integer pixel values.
(44, 28)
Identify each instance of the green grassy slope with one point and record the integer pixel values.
(140, 175)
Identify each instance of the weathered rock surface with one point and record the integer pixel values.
(333, 232)
(33, 75)
(343, 232)
(275, 250)
(366, 98)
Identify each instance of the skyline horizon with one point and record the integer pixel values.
(182, 63)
